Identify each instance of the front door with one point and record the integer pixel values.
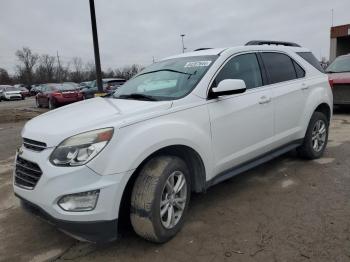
(242, 124)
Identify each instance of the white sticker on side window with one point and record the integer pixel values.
(197, 63)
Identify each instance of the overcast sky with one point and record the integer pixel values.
(135, 31)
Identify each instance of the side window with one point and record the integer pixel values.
(279, 67)
(299, 70)
(245, 67)
(310, 58)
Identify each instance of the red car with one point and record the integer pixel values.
(24, 92)
(54, 95)
(339, 78)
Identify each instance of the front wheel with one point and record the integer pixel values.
(37, 103)
(52, 104)
(160, 198)
(316, 137)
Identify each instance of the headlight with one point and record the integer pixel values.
(80, 149)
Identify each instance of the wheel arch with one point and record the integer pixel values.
(191, 157)
(325, 109)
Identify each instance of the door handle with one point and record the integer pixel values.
(304, 86)
(264, 100)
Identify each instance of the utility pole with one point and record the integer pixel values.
(96, 49)
(332, 17)
(183, 45)
(59, 68)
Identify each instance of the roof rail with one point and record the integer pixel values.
(264, 42)
(203, 48)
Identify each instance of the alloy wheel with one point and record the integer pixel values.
(319, 135)
(173, 199)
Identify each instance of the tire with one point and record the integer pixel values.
(150, 189)
(37, 103)
(52, 104)
(308, 150)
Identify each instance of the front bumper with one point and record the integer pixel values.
(56, 182)
(13, 97)
(92, 231)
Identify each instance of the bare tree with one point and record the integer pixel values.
(45, 72)
(90, 71)
(108, 74)
(77, 75)
(65, 72)
(25, 69)
(46, 68)
(5, 78)
(127, 72)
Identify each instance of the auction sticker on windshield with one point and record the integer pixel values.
(197, 63)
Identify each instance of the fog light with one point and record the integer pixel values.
(85, 201)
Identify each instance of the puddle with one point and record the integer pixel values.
(47, 256)
(287, 183)
(324, 161)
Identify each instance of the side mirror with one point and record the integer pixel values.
(229, 87)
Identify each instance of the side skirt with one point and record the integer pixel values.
(253, 163)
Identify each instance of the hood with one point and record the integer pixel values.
(12, 92)
(56, 125)
(340, 78)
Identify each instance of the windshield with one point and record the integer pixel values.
(341, 64)
(11, 88)
(67, 87)
(166, 80)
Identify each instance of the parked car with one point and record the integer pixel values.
(19, 86)
(339, 75)
(108, 85)
(24, 92)
(181, 125)
(54, 95)
(84, 84)
(35, 90)
(8, 92)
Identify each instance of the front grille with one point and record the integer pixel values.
(341, 93)
(34, 145)
(27, 173)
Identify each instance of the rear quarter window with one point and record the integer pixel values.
(312, 60)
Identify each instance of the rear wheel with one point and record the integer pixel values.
(316, 137)
(160, 198)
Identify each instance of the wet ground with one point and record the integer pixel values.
(285, 210)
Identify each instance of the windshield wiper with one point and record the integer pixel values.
(169, 70)
(137, 96)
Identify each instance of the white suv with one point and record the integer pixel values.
(181, 125)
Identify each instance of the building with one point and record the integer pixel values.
(340, 41)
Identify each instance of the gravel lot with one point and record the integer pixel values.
(285, 210)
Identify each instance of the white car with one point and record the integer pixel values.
(182, 125)
(8, 92)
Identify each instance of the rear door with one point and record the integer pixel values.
(241, 124)
(287, 79)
